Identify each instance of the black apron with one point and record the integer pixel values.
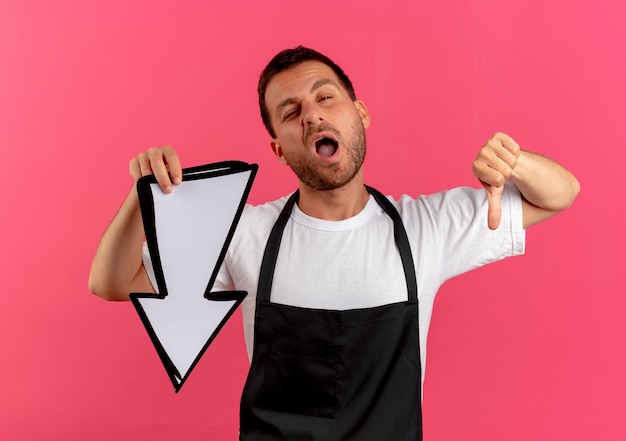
(334, 375)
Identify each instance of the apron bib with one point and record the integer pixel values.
(327, 375)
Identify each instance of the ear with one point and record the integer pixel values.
(363, 113)
(278, 151)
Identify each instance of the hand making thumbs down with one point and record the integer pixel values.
(493, 165)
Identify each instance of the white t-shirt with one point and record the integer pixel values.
(354, 263)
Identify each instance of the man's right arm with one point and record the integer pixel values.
(117, 269)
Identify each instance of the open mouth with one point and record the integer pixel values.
(326, 147)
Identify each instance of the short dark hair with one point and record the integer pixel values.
(287, 59)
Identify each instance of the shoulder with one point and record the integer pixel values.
(459, 214)
(451, 226)
(267, 211)
(257, 221)
(458, 203)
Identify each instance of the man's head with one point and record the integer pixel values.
(288, 59)
(317, 125)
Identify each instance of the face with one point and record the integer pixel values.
(320, 131)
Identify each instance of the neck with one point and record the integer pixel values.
(338, 204)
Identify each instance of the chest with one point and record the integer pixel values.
(359, 268)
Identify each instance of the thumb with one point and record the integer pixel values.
(494, 213)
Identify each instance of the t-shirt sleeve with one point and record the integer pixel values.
(453, 233)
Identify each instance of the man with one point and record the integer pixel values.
(337, 335)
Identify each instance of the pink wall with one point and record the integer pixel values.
(531, 348)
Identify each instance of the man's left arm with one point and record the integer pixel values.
(546, 187)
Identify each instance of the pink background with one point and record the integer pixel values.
(530, 348)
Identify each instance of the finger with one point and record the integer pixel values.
(173, 165)
(494, 204)
(504, 168)
(499, 157)
(508, 143)
(143, 163)
(490, 172)
(158, 165)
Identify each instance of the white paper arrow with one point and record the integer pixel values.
(188, 233)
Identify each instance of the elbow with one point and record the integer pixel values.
(574, 190)
(94, 287)
(100, 288)
(97, 289)
(575, 187)
(564, 196)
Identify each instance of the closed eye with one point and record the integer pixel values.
(290, 114)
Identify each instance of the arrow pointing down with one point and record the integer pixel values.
(188, 233)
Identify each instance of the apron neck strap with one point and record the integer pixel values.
(266, 277)
(402, 241)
